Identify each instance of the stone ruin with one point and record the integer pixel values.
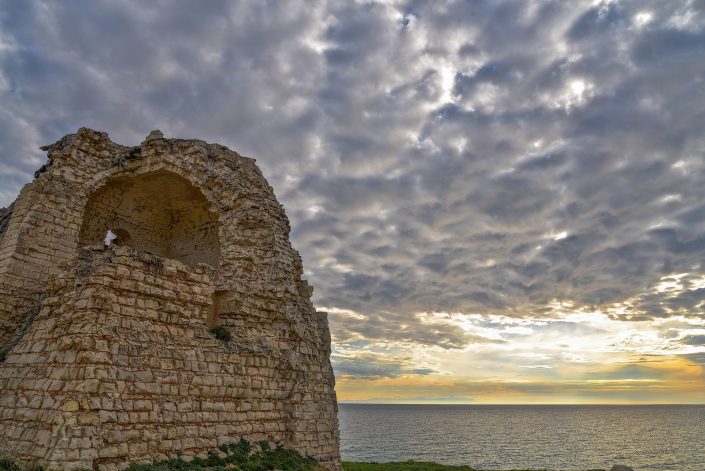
(107, 352)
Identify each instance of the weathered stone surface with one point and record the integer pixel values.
(109, 357)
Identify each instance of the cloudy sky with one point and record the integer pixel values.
(496, 201)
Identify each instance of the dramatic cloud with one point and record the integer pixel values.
(444, 164)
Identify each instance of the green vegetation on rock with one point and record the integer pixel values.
(241, 456)
(9, 465)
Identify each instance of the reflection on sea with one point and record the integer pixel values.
(506, 437)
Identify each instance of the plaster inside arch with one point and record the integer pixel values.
(157, 212)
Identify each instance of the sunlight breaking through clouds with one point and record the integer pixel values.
(579, 347)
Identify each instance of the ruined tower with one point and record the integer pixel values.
(107, 353)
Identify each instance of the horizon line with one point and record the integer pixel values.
(525, 403)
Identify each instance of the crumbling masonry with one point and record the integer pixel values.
(108, 356)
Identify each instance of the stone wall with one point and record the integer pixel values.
(43, 229)
(118, 363)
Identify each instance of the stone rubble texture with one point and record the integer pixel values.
(108, 354)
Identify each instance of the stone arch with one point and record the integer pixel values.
(159, 212)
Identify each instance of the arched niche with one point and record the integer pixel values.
(157, 212)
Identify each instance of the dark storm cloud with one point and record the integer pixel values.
(394, 327)
(369, 365)
(697, 340)
(484, 157)
(627, 372)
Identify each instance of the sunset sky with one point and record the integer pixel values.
(496, 201)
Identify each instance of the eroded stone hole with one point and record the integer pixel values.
(216, 307)
(157, 212)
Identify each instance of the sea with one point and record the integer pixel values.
(555, 437)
